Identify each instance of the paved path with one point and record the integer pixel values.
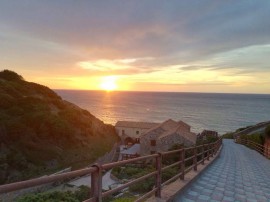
(86, 180)
(239, 174)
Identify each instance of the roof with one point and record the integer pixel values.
(170, 127)
(184, 124)
(208, 132)
(133, 124)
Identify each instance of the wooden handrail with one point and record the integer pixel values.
(96, 172)
(265, 151)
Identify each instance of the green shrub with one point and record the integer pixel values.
(144, 186)
(56, 196)
(124, 199)
(256, 137)
(227, 136)
(130, 172)
(169, 173)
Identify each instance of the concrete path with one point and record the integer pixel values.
(86, 180)
(239, 174)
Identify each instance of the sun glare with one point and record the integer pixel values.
(108, 83)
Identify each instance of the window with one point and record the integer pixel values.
(153, 142)
(137, 132)
(123, 132)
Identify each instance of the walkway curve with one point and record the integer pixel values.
(239, 174)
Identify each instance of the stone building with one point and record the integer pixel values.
(163, 136)
(206, 134)
(131, 131)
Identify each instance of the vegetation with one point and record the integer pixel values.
(130, 199)
(77, 196)
(130, 172)
(126, 197)
(243, 128)
(41, 133)
(256, 137)
(228, 136)
(82, 194)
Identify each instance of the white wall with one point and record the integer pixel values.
(131, 132)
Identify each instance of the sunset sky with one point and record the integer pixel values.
(151, 45)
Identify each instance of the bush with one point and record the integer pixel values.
(124, 200)
(56, 196)
(131, 172)
(256, 137)
(169, 173)
(49, 196)
(144, 186)
(227, 136)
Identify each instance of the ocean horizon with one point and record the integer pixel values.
(222, 112)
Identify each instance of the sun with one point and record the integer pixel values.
(108, 83)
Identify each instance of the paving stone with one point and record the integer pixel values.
(261, 198)
(187, 200)
(239, 174)
(203, 197)
(239, 191)
(250, 195)
(207, 192)
(217, 196)
(229, 193)
(210, 186)
(240, 197)
(196, 188)
(193, 193)
(220, 184)
(228, 199)
(251, 200)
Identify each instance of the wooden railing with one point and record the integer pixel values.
(186, 163)
(265, 151)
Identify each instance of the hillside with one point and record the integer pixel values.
(40, 132)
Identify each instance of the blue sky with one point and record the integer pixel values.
(153, 45)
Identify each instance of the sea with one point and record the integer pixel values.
(212, 111)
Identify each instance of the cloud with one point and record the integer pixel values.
(136, 37)
(152, 28)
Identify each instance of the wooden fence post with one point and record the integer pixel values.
(203, 154)
(208, 152)
(96, 183)
(158, 176)
(195, 158)
(212, 149)
(182, 164)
